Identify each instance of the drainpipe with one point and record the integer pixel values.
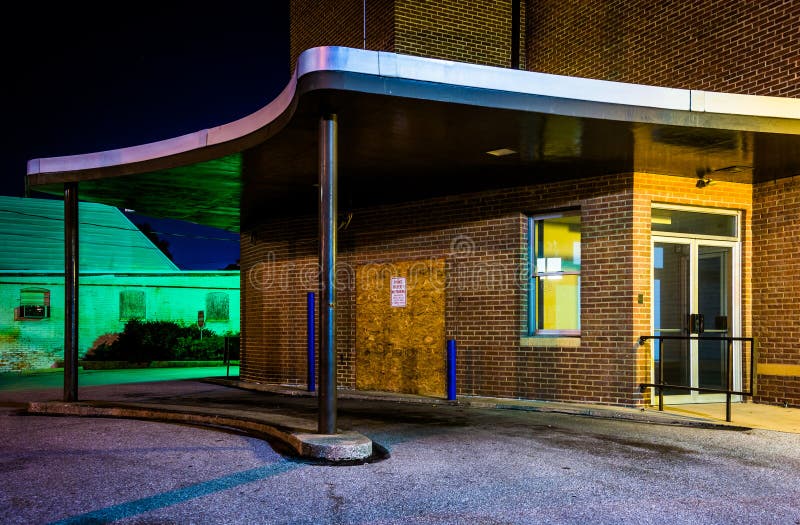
(515, 18)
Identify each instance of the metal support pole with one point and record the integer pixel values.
(71, 271)
(661, 375)
(328, 174)
(753, 362)
(310, 331)
(227, 357)
(729, 380)
(451, 369)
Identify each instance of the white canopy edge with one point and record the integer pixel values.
(445, 72)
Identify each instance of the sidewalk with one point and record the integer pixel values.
(750, 415)
(235, 404)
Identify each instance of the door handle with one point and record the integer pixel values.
(696, 324)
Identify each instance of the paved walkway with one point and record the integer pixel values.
(138, 394)
(753, 415)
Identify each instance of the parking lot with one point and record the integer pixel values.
(445, 464)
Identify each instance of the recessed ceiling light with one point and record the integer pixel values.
(502, 152)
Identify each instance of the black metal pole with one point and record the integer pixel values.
(729, 380)
(753, 358)
(328, 174)
(71, 271)
(661, 376)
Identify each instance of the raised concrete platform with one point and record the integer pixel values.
(296, 434)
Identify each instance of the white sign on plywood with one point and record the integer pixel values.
(398, 292)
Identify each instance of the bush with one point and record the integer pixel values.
(144, 341)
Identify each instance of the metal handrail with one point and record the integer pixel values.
(660, 386)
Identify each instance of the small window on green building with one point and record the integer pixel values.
(34, 303)
(132, 305)
(555, 286)
(217, 306)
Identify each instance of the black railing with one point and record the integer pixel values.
(660, 386)
(231, 352)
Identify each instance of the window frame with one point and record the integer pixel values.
(534, 277)
(20, 313)
(208, 312)
(143, 295)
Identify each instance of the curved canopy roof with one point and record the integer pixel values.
(412, 127)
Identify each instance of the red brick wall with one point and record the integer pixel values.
(340, 23)
(474, 31)
(734, 46)
(483, 238)
(278, 268)
(776, 265)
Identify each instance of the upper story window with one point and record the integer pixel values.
(34, 303)
(217, 306)
(555, 291)
(132, 305)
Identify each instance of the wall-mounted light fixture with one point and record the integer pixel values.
(702, 182)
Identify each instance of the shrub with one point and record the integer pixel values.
(144, 341)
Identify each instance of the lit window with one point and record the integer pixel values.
(555, 287)
(217, 306)
(34, 303)
(132, 305)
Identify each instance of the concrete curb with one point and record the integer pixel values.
(342, 447)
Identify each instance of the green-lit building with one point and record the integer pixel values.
(123, 276)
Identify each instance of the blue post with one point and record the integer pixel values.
(310, 322)
(451, 369)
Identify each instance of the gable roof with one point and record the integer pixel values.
(32, 237)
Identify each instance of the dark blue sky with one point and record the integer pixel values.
(82, 79)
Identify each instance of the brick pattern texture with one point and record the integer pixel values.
(717, 45)
(474, 31)
(732, 46)
(340, 23)
(776, 265)
(482, 238)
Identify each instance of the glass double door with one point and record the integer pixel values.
(694, 291)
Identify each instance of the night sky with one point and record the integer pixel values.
(81, 79)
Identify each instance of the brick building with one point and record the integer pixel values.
(542, 182)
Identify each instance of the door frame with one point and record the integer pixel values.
(694, 241)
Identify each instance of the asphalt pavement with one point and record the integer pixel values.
(475, 460)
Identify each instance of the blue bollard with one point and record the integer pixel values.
(310, 323)
(451, 369)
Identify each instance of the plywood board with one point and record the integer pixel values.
(401, 348)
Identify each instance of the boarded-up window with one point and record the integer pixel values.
(217, 306)
(34, 303)
(132, 305)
